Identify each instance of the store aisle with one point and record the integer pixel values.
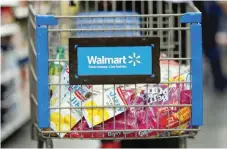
(213, 133)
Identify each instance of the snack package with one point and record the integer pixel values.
(65, 97)
(81, 90)
(64, 119)
(170, 68)
(185, 77)
(119, 123)
(161, 116)
(126, 120)
(111, 97)
(164, 117)
(143, 117)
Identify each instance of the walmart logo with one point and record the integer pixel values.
(102, 60)
(134, 59)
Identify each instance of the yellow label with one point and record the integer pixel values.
(184, 114)
(177, 132)
(64, 119)
(56, 118)
(68, 119)
(179, 78)
(96, 115)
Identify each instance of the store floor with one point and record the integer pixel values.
(213, 134)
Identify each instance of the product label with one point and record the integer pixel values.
(118, 133)
(186, 77)
(60, 118)
(67, 96)
(112, 97)
(82, 91)
(64, 119)
(144, 133)
(184, 114)
(157, 94)
(170, 121)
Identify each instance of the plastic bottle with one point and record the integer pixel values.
(56, 67)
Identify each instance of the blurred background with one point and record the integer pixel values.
(15, 107)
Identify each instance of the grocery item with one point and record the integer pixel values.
(107, 23)
(170, 68)
(125, 120)
(163, 117)
(94, 117)
(143, 117)
(111, 97)
(185, 77)
(65, 119)
(61, 91)
(66, 96)
(56, 68)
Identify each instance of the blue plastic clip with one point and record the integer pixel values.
(191, 17)
(46, 20)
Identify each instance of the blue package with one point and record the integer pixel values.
(105, 26)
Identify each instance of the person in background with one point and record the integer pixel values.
(221, 36)
(211, 14)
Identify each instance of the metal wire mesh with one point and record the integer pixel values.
(152, 19)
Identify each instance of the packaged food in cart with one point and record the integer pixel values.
(65, 118)
(61, 90)
(143, 117)
(160, 116)
(171, 68)
(65, 97)
(185, 78)
(124, 121)
(111, 97)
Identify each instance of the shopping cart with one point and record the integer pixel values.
(103, 29)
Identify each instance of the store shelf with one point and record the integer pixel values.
(21, 12)
(8, 102)
(9, 3)
(8, 75)
(22, 54)
(22, 117)
(8, 29)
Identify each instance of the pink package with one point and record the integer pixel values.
(162, 95)
(121, 123)
(124, 121)
(162, 117)
(142, 117)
